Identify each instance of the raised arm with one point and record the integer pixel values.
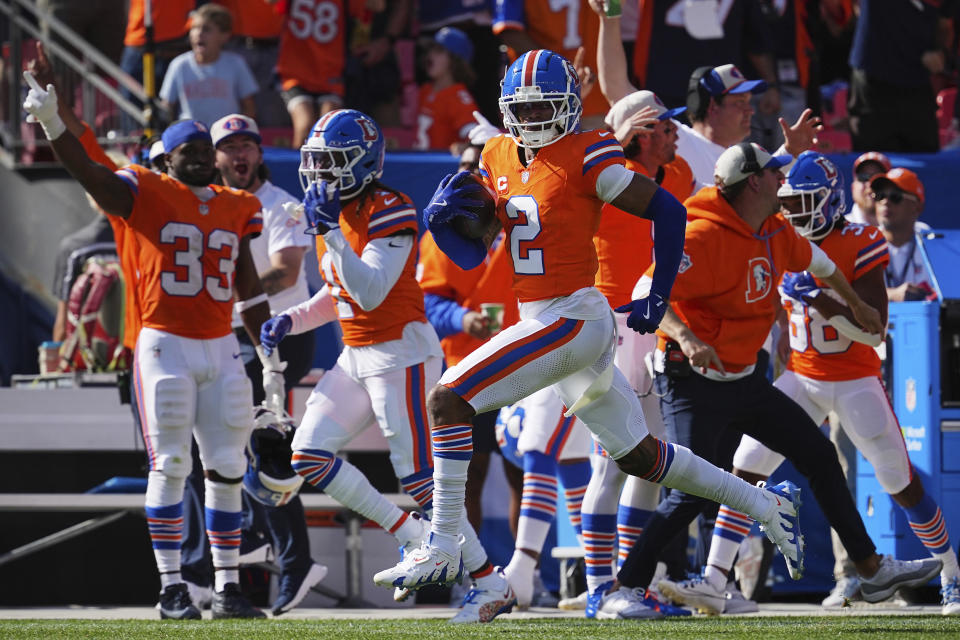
(611, 59)
(111, 193)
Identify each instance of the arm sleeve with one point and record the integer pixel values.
(444, 314)
(370, 277)
(312, 313)
(820, 263)
(669, 223)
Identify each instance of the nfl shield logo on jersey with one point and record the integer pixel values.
(204, 209)
(685, 263)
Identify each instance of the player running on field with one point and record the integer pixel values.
(832, 366)
(366, 239)
(550, 181)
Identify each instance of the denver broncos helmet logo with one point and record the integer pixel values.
(759, 279)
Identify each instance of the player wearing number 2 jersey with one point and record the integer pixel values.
(550, 181)
(833, 366)
(193, 259)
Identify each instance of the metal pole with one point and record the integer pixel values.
(60, 536)
(149, 73)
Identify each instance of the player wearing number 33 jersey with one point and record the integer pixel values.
(188, 250)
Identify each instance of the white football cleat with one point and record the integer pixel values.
(894, 574)
(626, 604)
(425, 566)
(951, 598)
(400, 594)
(483, 605)
(782, 525)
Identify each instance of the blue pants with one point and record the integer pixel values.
(708, 417)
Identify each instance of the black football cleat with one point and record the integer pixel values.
(230, 603)
(175, 603)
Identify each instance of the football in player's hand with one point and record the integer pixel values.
(485, 209)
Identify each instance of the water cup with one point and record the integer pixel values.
(48, 357)
(493, 311)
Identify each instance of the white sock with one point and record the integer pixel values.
(950, 568)
(172, 577)
(714, 576)
(473, 554)
(692, 474)
(351, 488)
(222, 505)
(449, 491)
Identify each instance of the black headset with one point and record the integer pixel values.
(750, 162)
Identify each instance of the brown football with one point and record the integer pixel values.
(486, 211)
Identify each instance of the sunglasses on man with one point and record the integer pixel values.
(895, 197)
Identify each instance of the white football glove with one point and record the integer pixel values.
(41, 105)
(273, 385)
(483, 131)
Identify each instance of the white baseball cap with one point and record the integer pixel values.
(727, 79)
(156, 150)
(636, 101)
(742, 160)
(232, 125)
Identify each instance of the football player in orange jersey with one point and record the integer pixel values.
(833, 367)
(550, 181)
(366, 241)
(712, 387)
(193, 261)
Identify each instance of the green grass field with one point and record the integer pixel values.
(804, 628)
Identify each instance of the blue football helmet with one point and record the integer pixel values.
(270, 479)
(812, 197)
(345, 149)
(541, 76)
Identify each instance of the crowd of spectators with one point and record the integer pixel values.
(287, 62)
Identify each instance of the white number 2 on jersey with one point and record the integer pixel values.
(191, 259)
(526, 261)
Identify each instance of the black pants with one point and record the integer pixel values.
(885, 117)
(708, 417)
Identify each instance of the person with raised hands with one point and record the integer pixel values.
(193, 261)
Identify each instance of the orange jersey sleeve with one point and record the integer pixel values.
(443, 116)
(312, 46)
(818, 350)
(550, 209)
(187, 252)
(363, 220)
(171, 20)
(561, 27)
(678, 179)
(490, 282)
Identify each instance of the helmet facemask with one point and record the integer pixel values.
(804, 210)
(333, 165)
(540, 133)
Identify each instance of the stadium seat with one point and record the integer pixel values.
(834, 141)
(946, 104)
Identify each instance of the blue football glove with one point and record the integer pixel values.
(800, 286)
(321, 208)
(273, 331)
(645, 313)
(450, 199)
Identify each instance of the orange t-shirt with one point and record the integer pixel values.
(443, 115)
(187, 252)
(624, 242)
(379, 216)
(254, 18)
(313, 47)
(561, 27)
(171, 20)
(726, 288)
(490, 282)
(126, 243)
(817, 349)
(550, 209)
